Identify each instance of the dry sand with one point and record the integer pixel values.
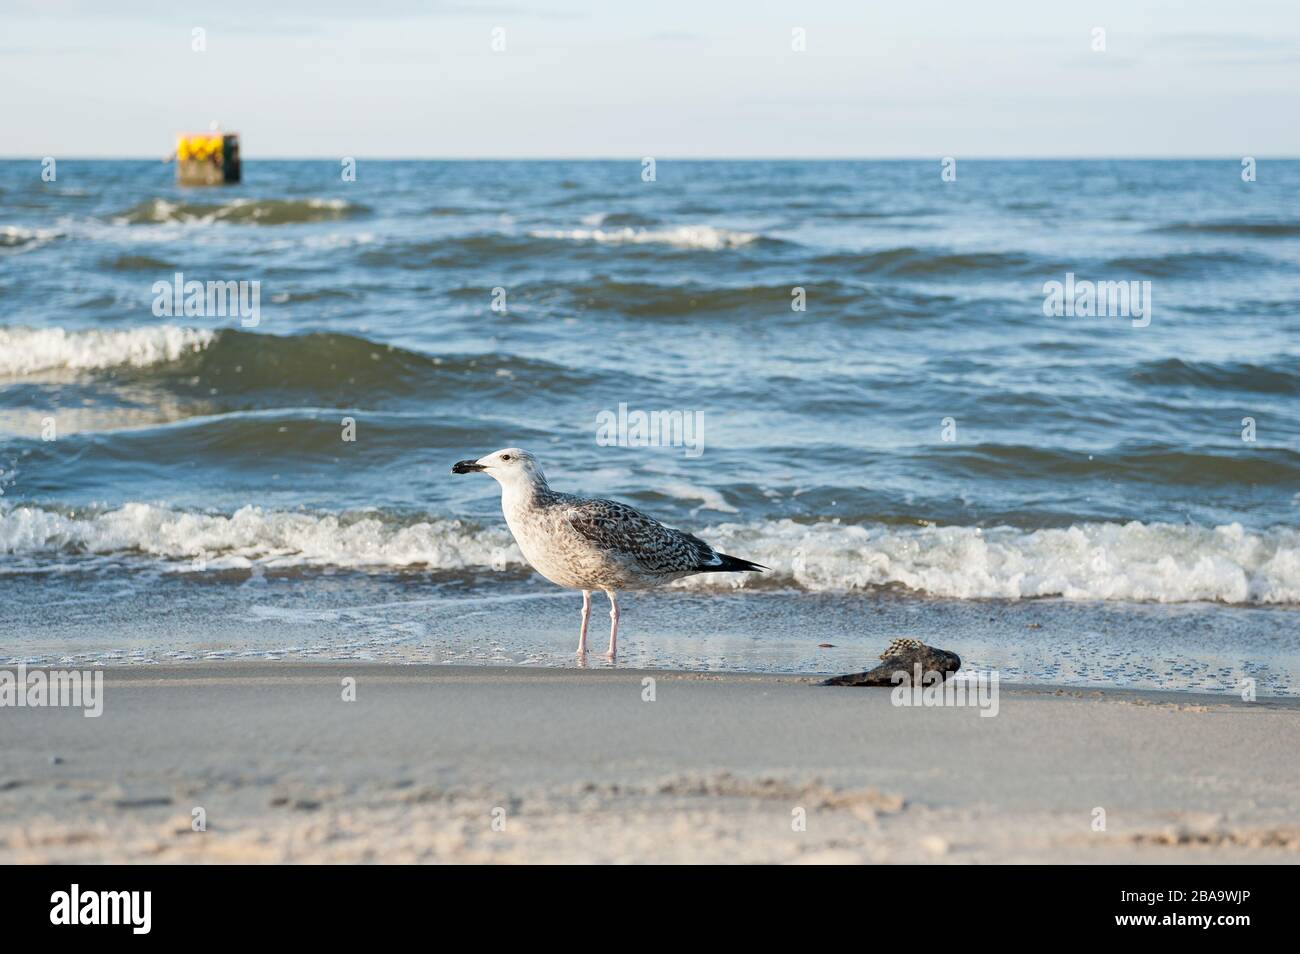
(494, 764)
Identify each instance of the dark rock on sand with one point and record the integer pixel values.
(903, 655)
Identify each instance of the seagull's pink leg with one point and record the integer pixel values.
(613, 624)
(586, 614)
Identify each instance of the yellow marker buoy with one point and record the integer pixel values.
(205, 159)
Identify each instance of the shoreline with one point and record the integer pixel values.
(463, 763)
(421, 621)
(221, 666)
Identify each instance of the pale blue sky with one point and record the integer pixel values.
(583, 78)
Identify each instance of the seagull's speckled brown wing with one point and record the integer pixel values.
(629, 535)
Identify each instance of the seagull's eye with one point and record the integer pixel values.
(505, 456)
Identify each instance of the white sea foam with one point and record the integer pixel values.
(684, 236)
(15, 238)
(28, 350)
(1164, 563)
(709, 498)
(253, 536)
(1100, 561)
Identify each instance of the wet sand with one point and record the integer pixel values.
(413, 619)
(509, 764)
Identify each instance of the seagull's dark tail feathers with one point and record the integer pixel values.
(731, 564)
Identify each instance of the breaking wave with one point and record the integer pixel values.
(251, 535)
(29, 350)
(244, 211)
(1155, 562)
(14, 238)
(1133, 562)
(230, 362)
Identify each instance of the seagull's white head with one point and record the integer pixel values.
(511, 467)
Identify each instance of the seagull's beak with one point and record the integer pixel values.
(466, 467)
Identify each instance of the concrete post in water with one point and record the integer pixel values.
(205, 159)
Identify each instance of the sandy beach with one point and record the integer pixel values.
(510, 764)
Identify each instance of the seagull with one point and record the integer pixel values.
(587, 544)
